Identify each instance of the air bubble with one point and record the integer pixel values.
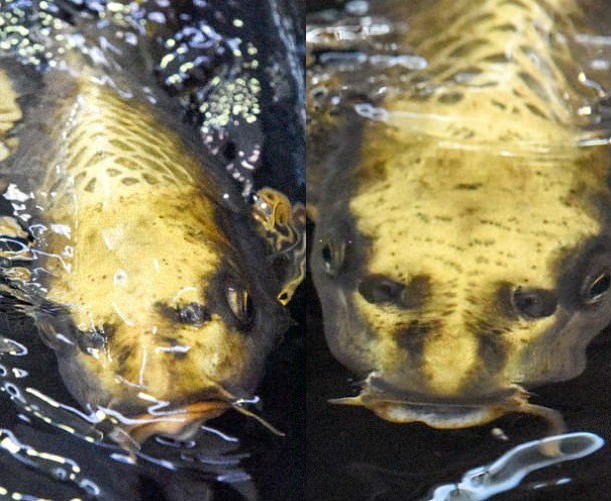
(12, 347)
(59, 474)
(343, 58)
(234, 477)
(19, 373)
(407, 61)
(13, 391)
(170, 442)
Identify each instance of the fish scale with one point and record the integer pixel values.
(513, 50)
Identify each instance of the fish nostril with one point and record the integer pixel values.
(193, 314)
(534, 303)
(380, 289)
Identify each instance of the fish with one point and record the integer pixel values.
(158, 285)
(462, 250)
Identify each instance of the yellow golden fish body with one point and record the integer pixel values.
(470, 255)
(153, 278)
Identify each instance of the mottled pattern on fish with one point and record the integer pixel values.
(507, 63)
(474, 233)
(155, 280)
(214, 57)
(114, 159)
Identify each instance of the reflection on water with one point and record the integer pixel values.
(37, 409)
(52, 449)
(509, 470)
(56, 467)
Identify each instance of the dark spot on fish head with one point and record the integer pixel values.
(380, 289)
(583, 309)
(192, 313)
(534, 303)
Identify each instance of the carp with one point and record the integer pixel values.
(159, 286)
(467, 256)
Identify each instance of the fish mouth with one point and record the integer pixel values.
(379, 386)
(182, 422)
(400, 406)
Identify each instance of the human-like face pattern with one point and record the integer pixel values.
(494, 276)
(461, 250)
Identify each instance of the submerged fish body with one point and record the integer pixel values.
(469, 257)
(152, 277)
(125, 188)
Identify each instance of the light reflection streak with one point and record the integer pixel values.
(509, 470)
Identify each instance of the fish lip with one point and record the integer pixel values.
(401, 406)
(377, 388)
(436, 415)
(446, 413)
(181, 422)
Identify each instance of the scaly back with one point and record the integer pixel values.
(500, 70)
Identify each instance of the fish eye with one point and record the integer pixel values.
(193, 314)
(333, 254)
(596, 287)
(240, 304)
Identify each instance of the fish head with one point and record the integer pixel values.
(175, 305)
(458, 289)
